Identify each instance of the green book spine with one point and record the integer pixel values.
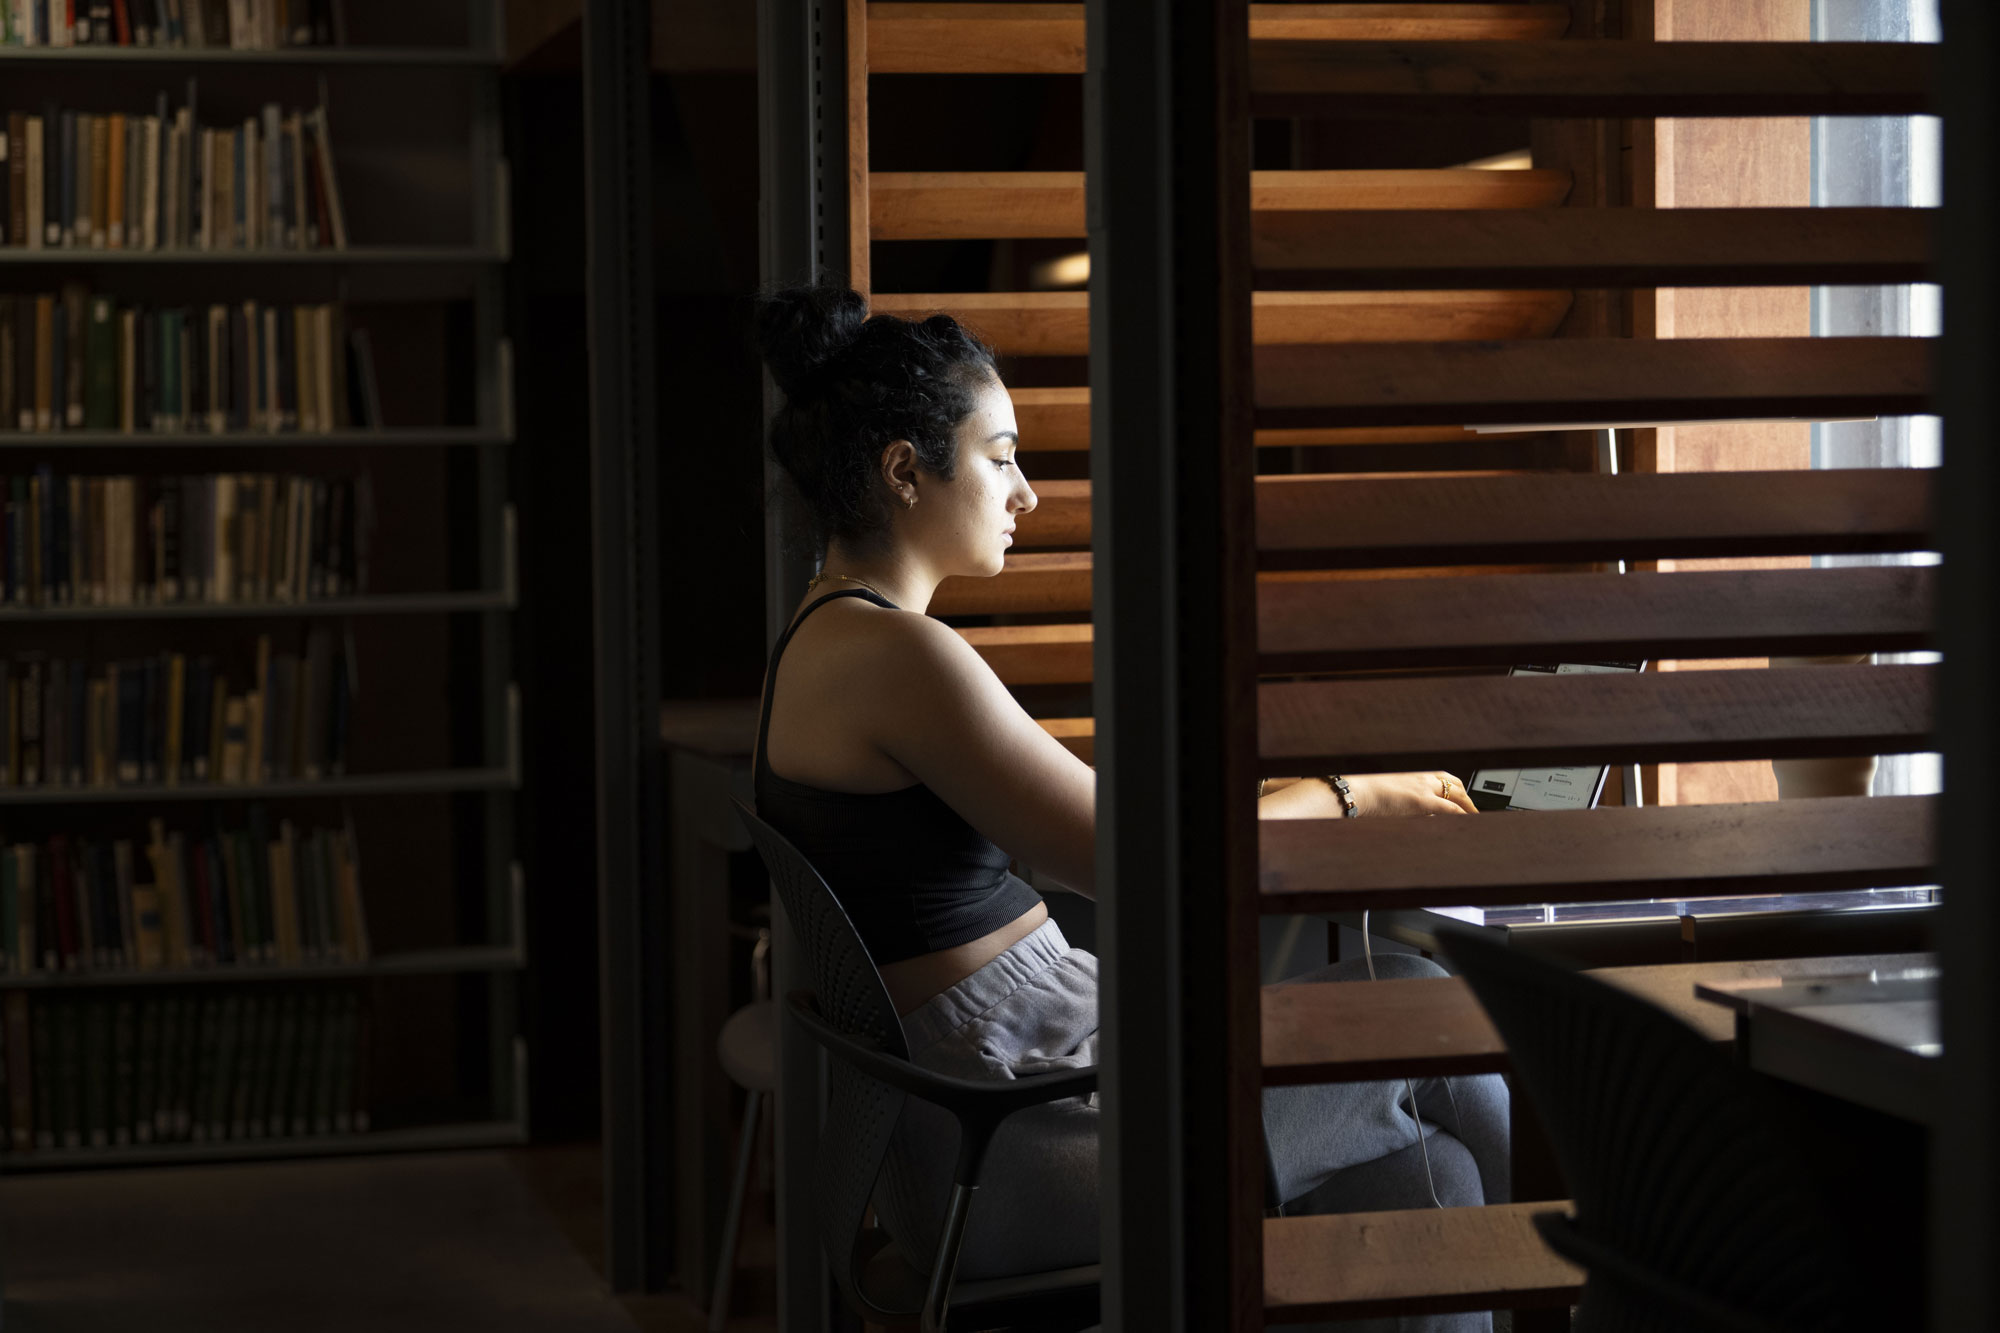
(258, 1018)
(97, 1061)
(168, 409)
(319, 1087)
(124, 1071)
(345, 1055)
(21, 1079)
(229, 1059)
(100, 371)
(187, 1068)
(47, 1072)
(145, 1092)
(69, 1084)
(284, 1065)
(239, 1071)
(201, 1121)
(163, 1068)
(10, 902)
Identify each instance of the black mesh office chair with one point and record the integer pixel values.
(1699, 1202)
(849, 1014)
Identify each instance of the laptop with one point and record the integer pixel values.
(1576, 787)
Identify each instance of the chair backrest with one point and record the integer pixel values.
(1679, 1160)
(861, 1112)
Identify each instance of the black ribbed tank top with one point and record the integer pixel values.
(911, 873)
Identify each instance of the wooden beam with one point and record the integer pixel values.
(1034, 654)
(1077, 734)
(1591, 380)
(1608, 855)
(946, 205)
(1312, 522)
(1600, 247)
(1310, 626)
(1048, 38)
(1340, 1266)
(1054, 420)
(1032, 583)
(1061, 516)
(1590, 77)
(1460, 723)
(1353, 1031)
(1058, 323)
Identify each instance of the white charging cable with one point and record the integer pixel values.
(1368, 953)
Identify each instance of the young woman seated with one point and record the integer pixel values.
(897, 762)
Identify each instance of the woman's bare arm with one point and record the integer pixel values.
(953, 725)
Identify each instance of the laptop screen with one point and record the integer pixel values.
(1567, 788)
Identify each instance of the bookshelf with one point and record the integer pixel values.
(434, 743)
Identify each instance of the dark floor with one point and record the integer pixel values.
(502, 1242)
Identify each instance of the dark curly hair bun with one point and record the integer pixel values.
(853, 384)
(802, 330)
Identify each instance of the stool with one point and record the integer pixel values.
(748, 1049)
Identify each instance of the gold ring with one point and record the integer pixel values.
(1444, 785)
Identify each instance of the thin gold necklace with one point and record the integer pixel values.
(820, 577)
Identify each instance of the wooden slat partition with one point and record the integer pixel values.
(1059, 419)
(1061, 516)
(1034, 654)
(1032, 584)
(1585, 381)
(1610, 854)
(1058, 323)
(945, 205)
(1320, 626)
(1592, 247)
(1078, 734)
(1048, 38)
(1421, 1260)
(1391, 726)
(1351, 1031)
(1320, 621)
(1310, 522)
(1590, 77)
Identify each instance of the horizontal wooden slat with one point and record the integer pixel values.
(1677, 716)
(1311, 522)
(1590, 77)
(1034, 654)
(1058, 323)
(1061, 516)
(1077, 734)
(1592, 247)
(1416, 1261)
(1354, 1031)
(1321, 626)
(1048, 38)
(1031, 584)
(1605, 855)
(1584, 380)
(1351, 1031)
(945, 205)
(1059, 419)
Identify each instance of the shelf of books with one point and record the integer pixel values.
(259, 741)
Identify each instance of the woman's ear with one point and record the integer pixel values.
(899, 470)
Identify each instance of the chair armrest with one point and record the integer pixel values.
(987, 1100)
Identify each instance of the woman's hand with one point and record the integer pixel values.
(1431, 793)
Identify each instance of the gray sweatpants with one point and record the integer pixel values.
(1342, 1147)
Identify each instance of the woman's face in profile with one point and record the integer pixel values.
(966, 524)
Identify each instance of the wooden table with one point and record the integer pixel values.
(1863, 1030)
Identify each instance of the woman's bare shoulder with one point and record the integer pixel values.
(869, 645)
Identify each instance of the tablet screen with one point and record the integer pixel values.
(1568, 788)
